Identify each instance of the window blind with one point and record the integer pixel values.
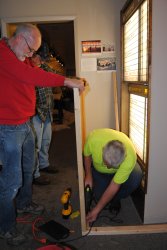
(138, 124)
(135, 45)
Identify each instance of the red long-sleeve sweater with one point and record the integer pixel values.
(17, 87)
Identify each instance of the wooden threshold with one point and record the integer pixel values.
(124, 230)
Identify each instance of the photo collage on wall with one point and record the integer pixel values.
(97, 56)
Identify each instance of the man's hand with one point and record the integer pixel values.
(92, 215)
(107, 196)
(75, 83)
(88, 181)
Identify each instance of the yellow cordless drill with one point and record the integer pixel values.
(65, 200)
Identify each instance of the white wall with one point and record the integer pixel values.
(100, 21)
(95, 19)
(156, 199)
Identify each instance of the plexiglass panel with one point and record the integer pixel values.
(136, 46)
(137, 124)
(131, 42)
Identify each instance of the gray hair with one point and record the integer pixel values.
(114, 153)
(29, 30)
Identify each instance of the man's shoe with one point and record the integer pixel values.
(33, 208)
(49, 170)
(115, 208)
(13, 237)
(41, 180)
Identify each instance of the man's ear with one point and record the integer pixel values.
(19, 40)
(19, 37)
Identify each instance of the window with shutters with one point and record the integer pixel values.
(136, 46)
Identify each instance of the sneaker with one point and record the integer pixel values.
(13, 237)
(49, 170)
(33, 208)
(41, 180)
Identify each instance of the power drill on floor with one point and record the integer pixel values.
(88, 198)
(65, 200)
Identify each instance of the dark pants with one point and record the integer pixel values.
(101, 182)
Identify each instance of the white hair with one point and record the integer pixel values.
(30, 31)
(114, 153)
(26, 28)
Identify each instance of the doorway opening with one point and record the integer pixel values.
(59, 37)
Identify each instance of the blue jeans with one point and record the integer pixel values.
(43, 132)
(101, 182)
(17, 155)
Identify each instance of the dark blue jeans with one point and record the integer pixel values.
(17, 155)
(101, 182)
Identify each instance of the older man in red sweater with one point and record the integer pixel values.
(17, 105)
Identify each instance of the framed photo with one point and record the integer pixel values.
(91, 47)
(106, 47)
(106, 63)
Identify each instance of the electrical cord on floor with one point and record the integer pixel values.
(27, 219)
(113, 219)
(35, 230)
(24, 219)
(77, 238)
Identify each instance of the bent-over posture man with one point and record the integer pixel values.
(110, 168)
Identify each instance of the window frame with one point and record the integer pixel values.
(136, 87)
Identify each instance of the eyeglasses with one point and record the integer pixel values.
(33, 51)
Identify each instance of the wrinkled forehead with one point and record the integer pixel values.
(35, 39)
